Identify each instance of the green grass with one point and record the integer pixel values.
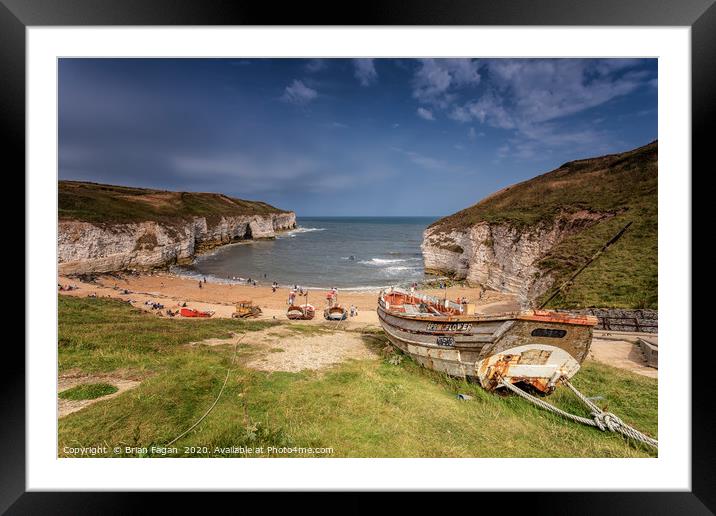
(98, 203)
(621, 184)
(88, 391)
(366, 408)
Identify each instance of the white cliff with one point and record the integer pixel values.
(499, 256)
(83, 247)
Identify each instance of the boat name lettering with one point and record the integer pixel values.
(449, 327)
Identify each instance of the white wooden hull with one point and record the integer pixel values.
(536, 348)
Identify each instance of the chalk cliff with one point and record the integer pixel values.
(501, 256)
(528, 237)
(110, 239)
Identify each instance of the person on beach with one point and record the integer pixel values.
(199, 284)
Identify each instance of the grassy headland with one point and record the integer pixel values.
(98, 203)
(622, 184)
(359, 408)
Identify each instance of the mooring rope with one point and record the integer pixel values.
(228, 371)
(600, 419)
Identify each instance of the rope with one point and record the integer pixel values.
(228, 371)
(600, 419)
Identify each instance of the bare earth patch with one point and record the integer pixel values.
(67, 381)
(284, 349)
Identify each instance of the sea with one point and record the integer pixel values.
(356, 253)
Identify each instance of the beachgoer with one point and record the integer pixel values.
(200, 284)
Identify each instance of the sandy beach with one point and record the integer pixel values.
(172, 291)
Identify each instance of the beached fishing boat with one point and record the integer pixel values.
(335, 313)
(539, 348)
(301, 312)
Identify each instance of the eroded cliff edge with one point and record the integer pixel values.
(525, 238)
(104, 228)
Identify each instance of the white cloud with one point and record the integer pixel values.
(365, 71)
(436, 79)
(421, 160)
(531, 97)
(425, 113)
(315, 65)
(472, 134)
(298, 93)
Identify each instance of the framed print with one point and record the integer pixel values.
(418, 253)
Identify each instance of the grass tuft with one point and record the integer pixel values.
(88, 391)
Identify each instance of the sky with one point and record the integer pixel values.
(347, 137)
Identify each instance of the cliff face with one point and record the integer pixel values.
(84, 247)
(500, 256)
(530, 236)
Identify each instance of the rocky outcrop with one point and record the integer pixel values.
(84, 247)
(500, 256)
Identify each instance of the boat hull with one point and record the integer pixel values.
(335, 314)
(300, 313)
(534, 348)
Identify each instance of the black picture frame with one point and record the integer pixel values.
(700, 15)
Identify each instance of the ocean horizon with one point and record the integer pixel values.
(348, 252)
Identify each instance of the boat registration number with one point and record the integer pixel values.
(446, 341)
(449, 326)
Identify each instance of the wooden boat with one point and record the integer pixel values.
(539, 348)
(335, 313)
(301, 312)
(192, 312)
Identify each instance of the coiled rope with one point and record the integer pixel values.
(228, 371)
(600, 419)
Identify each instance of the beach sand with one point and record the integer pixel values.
(172, 291)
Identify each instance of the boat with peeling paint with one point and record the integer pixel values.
(539, 348)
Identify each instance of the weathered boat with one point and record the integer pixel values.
(335, 313)
(301, 312)
(539, 348)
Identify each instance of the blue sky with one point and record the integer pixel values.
(347, 136)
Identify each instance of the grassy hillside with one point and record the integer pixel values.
(624, 184)
(359, 408)
(98, 203)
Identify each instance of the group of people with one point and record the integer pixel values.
(154, 305)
